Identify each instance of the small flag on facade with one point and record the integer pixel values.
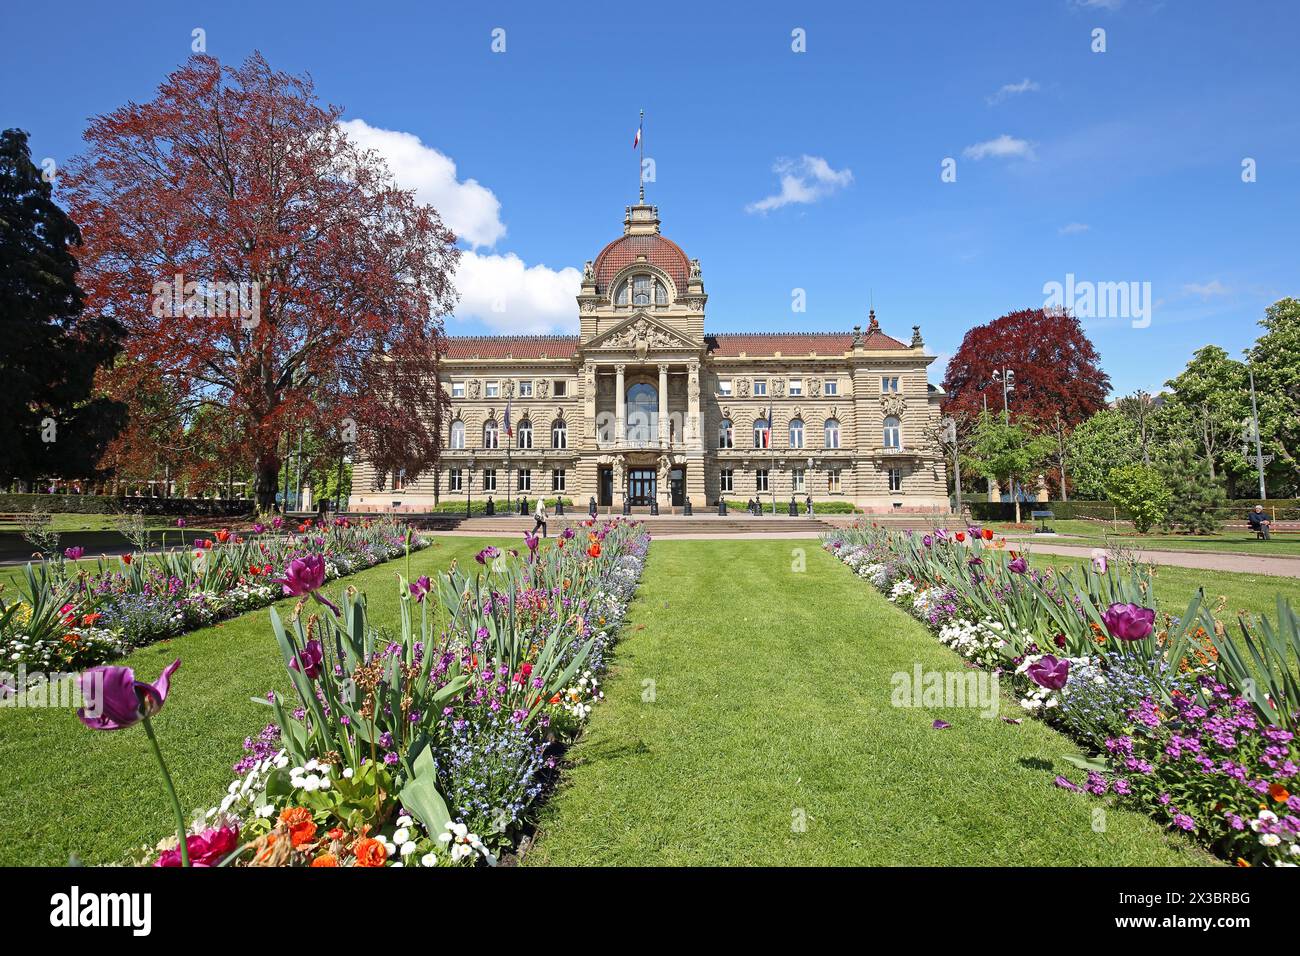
(509, 433)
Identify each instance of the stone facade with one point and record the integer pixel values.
(644, 403)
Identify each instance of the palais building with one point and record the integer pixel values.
(645, 405)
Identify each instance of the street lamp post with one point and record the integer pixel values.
(1007, 377)
(1259, 446)
(469, 481)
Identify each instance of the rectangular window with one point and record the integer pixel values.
(560, 387)
(491, 390)
(726, 479)
(525, 389)
(489, 479)
(454, 482)
(557, 479)
(760, 479)
(457, 389)
(525, 479)
(796, 387)
(832, 387)
(889, 383)
(399, 480)
(724, 386)
(797, 481)
(895, 479)
(833, 481)
(760, 387)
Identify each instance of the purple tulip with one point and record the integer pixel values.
(277, 522)
(1018, 565)
(303, 576)
(566, 534)
(259, 528)
(975, 531)
(309, 659)
(531, 540)
(115, 700)
(927, 541)
(941, 725)
(1099, 560)
(74, 553)
(487, 554)
(1049, 672)
(421, 588)
(1129, 622)
(180, 522)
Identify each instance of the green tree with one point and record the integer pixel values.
(1007, 452)
(1208, 405)
(1276, 361)
(1103, 442)
(1196, 497)
(1142, 491)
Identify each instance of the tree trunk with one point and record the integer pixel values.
(267, 472)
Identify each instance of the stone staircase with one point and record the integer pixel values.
(671, 525)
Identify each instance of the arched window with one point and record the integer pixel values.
(491, 436)
(832, 433)
(641, 290)
(796, 433)
(762, 433)
(893, 432)
(458, 434)
(559, 434)
(525, 437)
(726, 438)
(642, 412)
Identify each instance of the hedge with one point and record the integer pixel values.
(111, 504)
(1284, 509)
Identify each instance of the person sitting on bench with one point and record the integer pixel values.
(1259, 522)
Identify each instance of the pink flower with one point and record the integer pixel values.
(208, 848)
(309, 659)
(303, 576)
(1049, 672)
(1129, 622)
(115, 700)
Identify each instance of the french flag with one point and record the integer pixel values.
(509, 432)
(636, 140)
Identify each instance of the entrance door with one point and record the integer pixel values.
(677, 487)
(606, 486)
(641, 485)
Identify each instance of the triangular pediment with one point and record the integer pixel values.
(642, 332)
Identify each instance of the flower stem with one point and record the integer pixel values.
(171, 792)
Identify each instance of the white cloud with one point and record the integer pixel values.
(1073, 228)
(1206, 290)
(1099, 4)
(1004, 147)
(499, 289)
(468, 208)
(508, 295)
(1012, 89)
(805, 180)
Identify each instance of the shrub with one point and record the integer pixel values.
(1142, 491)
(1196, 499)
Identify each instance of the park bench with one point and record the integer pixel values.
(11, 522)
(1042, 517)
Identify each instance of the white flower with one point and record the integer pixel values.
(1269, 839)
(429, 859)
(402, 836)
(404, 820)
(347, 773)
(407, 849)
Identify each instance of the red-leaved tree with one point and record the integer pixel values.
(263, 263)
(1057, 370)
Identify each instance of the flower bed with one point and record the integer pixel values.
(69, 617)
(1176, 718)
(425, 745)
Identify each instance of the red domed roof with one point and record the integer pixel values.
(658, 251)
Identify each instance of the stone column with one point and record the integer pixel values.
(620, 404)
(663, 406)
(691, 429)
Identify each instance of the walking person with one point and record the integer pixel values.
(539, 517)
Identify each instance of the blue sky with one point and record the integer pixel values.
(1120, 166)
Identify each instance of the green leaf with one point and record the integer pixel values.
(421, 798)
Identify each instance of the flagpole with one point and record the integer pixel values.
(640, 166)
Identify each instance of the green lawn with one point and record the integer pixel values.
(69, 790)
(1244, 542)
(747, 697)
(1228, 592)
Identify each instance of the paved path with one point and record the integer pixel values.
(1205, 560)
